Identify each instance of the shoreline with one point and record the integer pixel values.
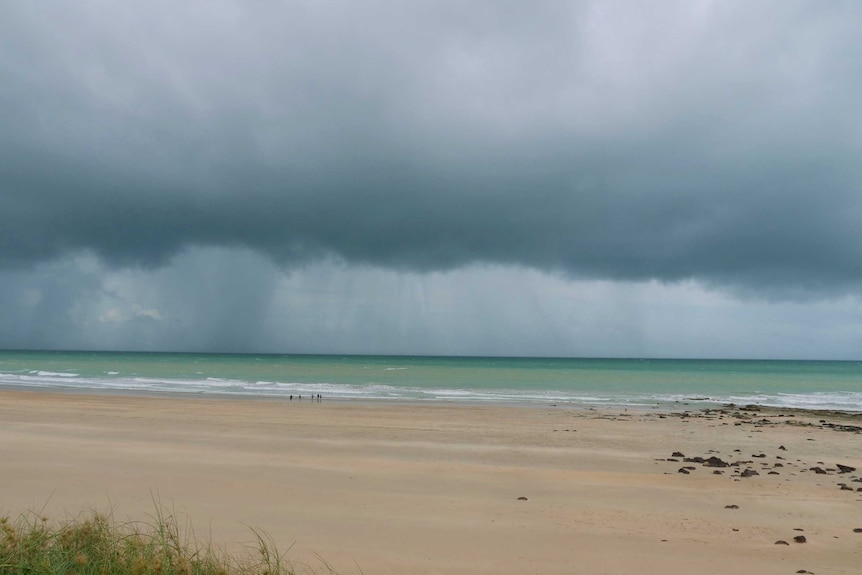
(661, 384)
(438, 488)
(694, 405)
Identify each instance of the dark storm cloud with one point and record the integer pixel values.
(715, 141)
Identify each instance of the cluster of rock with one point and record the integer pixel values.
(754, 415)
(797, 539)
(803, 539)
(738, 467)
(743, 467)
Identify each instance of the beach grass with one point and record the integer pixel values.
(94, 543)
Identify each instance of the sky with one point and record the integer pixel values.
(545, 178)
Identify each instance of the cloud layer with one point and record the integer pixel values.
(232, 300)
(693, 140)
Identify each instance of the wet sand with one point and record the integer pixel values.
(454, 489)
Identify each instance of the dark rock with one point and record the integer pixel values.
(749, 473)
(719, 472)
(773, 473)
(715, 462)
(697, 459)
(522, 498)
(800, 539)
(677, 454)
(683, 470)
(781, 542)
(845, 468)
(782, 448)
(759, 455)
(734, 506)
(857, 530)
(818, 470)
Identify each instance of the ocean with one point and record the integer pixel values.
(636, 383)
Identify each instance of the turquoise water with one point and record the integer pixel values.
(662, 383)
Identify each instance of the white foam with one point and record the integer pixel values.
(843, 400)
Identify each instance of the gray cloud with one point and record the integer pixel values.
(231, 300)
(714, 141)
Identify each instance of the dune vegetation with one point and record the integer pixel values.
(95, 543)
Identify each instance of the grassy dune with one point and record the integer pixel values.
(96, 544)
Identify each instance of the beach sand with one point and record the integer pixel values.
(382, 488)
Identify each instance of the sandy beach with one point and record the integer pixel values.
(382, 488)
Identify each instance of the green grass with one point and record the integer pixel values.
(95, 544)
